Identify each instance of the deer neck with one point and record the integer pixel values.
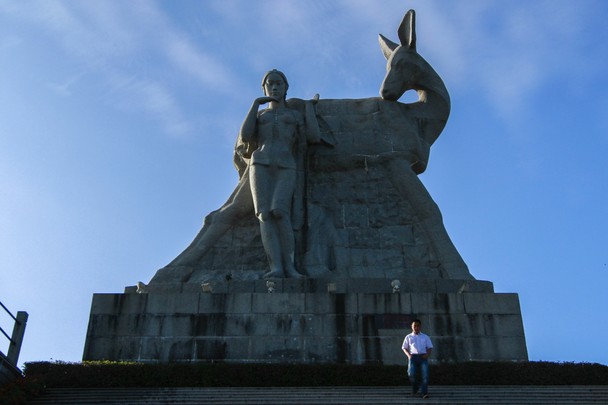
(433, 94)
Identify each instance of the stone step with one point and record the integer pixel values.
(328, 395)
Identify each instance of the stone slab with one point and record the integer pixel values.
(329, 327)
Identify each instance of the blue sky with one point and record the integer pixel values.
(118, 120)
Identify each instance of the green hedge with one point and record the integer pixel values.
(115, 374)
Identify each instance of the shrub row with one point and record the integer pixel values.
(121, 374)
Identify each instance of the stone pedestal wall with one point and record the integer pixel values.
(302, 327)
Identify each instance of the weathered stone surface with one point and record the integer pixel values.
(302, 327)
(358, 222)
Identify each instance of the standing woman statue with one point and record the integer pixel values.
(273, 134)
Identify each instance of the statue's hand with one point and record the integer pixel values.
(312, 102)
(265, 99)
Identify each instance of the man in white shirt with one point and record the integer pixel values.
(418, 347)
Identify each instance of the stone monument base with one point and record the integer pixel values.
(305, 321)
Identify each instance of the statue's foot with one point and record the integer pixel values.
(274, 274)
(293, 273)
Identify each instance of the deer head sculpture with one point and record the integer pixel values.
(407, 70)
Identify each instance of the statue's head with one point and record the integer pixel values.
(275, 78)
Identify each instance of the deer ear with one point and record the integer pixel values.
(386, 45)
(407, 30)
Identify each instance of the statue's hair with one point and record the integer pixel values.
(280, 74)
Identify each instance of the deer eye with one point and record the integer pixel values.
(397, 62)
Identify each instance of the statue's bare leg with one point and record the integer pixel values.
(411, 188)
(287, 240)
(272, 245)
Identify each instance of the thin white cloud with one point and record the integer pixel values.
(114, 41)
(207, 70)
(506, 54)
(501, 52)
(64, 88)
(159, 100)
(152, 97)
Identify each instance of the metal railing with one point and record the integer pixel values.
(16, 339)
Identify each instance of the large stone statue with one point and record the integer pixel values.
(357, 209)
(327, 249)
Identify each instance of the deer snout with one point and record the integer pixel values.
(388, 95)
(390, 92)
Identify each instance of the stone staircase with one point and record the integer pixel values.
(329, 395)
